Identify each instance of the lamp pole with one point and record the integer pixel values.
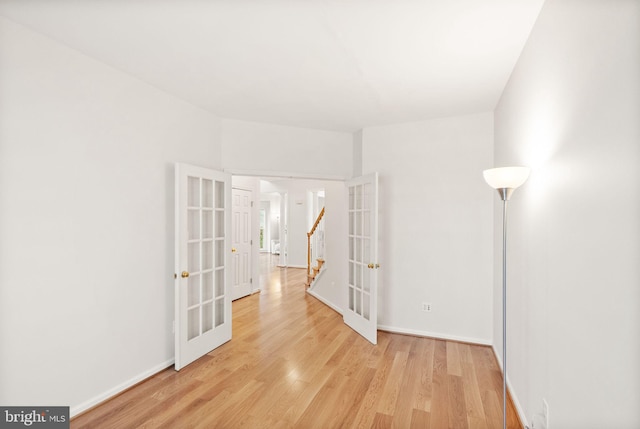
(505, 180)
(505, 201)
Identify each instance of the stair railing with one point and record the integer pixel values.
(310, 248)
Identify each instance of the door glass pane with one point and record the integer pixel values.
(352, 223)
(358, 216)
(352, 194)
(219, 224)
(219, 286)
(193, 223)
(359, 197)
(219, 256)
(366, 223)
(193, 257)
(358, 283)
(207, 255)
(366, 198)
(193, 192)
(207, 224)
(365, 306)
(359, 302)
(193, 291)
(358, 250)
(219, 195)
(207, 317)
(352, 248)
(207, 193)
(351, 299)
(366, 279)
(351, 272)
(219, 311)
(193, 323)
(207, 286)
(366, 250)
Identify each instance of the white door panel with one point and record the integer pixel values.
(241, 243)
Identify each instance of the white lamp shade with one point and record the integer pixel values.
(506, 177)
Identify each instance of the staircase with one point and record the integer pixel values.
(315, 249)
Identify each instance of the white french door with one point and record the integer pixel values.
(241, 243)
(202, 292)
(361, 313)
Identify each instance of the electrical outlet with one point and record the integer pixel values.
(426, 306)
(545, 413)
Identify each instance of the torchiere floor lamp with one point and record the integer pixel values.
(505, 180)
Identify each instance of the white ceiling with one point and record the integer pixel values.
(328, 64)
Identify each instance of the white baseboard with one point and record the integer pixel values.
(294, 266)
(77, 409)
(514, 397)
(325, 302)
(437, 335)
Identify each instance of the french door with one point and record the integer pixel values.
(361, 313)
(202, 292)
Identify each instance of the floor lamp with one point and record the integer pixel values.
(505, 180)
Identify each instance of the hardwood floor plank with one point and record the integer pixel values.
(457, 405)
(472, 396)
(453, 359)
(391, 390)
(440, 397)
(381, 421)
(424, 355)
(350, 399)
(420, 419)
(293, 363)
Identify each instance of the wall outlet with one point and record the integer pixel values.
(545, 413)
(426, 306)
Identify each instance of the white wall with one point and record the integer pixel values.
(86, 204)
(571, 111)
(262, 149)
(357, 154)
(435, 225)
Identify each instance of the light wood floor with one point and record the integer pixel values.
(292, 363)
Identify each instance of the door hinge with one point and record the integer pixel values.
(251, 280)
(251, 242)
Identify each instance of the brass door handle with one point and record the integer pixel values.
(234, 250)
(372, 266)
(184, 274)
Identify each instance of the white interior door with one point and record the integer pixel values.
(362, 288)
(241, 243)
(202, 288)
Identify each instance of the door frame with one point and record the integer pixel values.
(301, 176)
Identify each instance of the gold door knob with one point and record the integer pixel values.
(370, 266)
(185, 274)
(234, 250)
